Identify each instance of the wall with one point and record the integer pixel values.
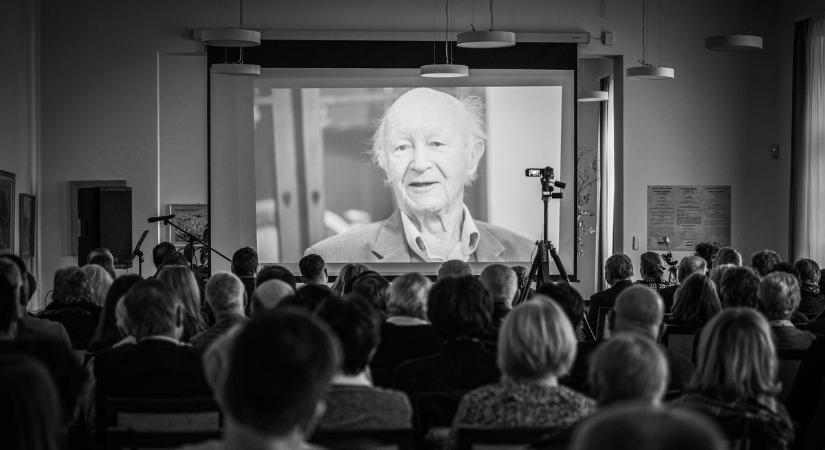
(712, 125)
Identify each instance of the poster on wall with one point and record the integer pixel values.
(687, 215)
(6, 212)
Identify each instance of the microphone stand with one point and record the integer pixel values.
(137, 252)
(194, 238)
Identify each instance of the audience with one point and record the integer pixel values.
(764, 261)
(104, 258)
(618, 272)
(29, 411)
(159, 253)
(502, 284)
(313, 270)
(73, 306)
(687, 266)
(353, 402)
(696, 301)
(308, 298)
(727, 255)
(276, 272)
(628, 368)
(107, 332)
(454, 268)
(225, 295)
(777, 299)
(279, 371)
(99, 282)
(406, 334)
(245, 266)
(717, 273)
(343, 282)
(572, 304)
(707, 251)
(536, 346)
(811, 302)
(373, 287)
(736, 378)
(652, 269)
(183, 283)
(738, 288)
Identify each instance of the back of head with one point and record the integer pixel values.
(280, 367)
(568, 298)
(764, 260)
(373, 287)
(454, 268)
(778, 296)
(343, 282)
(225, 293)
(641, 427)
(727, 255)
(501, 282)
(628, 367)
(356, 325)
(245, 262)
(106, 262)
(30, 416)
(183, 283)
(269, 294)
(638, 309)
(160, 251)
(175, 258)
(652, 265)
(9, 303)
(276, 272)
(308, 298)
(71, 286)
(408, 296)
(99, 282)
(738, 287)
(100, 251)
(459, 307)
(27, 284)
(312, 268)
(736, 358)
(717, 273)
(809, 271)
(696, 300)
(152, 308)
(618, 267)
(535, 341)
(707, 251)
(118, 289)
(690, 265)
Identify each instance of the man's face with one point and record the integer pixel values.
(428, 158)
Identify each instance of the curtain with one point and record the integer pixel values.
(808, 144)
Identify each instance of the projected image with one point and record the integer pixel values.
(403, 174)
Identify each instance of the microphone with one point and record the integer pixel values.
(161, 218)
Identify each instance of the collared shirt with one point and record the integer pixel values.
(352, 380)
(161, 337)
(406, 321)
(781, 323)
(466, 245)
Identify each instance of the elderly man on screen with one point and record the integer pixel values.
(429, 145)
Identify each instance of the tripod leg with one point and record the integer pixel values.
(531, 276)
(559, 264)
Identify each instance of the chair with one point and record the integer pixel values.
(601, 322)
(159, 423)
(433, 414)
(544, 438)
(789, 361)
(679, 339)
(401, 439)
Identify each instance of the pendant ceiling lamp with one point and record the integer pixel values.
(232, 37)
(448, 69)
(645, 70)
(485, 39)
(735, 42)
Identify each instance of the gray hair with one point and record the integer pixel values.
(501, 282)
(224, 292)
(778, 295)
(690, 265)
(99, 282)
(408, 296)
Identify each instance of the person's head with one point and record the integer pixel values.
(727, 255)
(459, 307)
(651, 265)
(275, 272)
(279, 370)
(106, 262)
(9, 305)
(408, 296)
(176, 258)
(343, 281)
(357, 326)
(717, 273)
(99, 282)
(71, 286)
(453, 268)
(100, 251)
(707, 251)
(308, 298)
(153, 309)
(738, 287)
(27, 284)
(778, 296)
(809, 272)
(617, 268)
(313, 269)
(373, 287)
(690, 265)
(536, 342)
(269, 294)
(160, 251)
(642, 427)
(501, 282)
(30, 416)
(245, 262)
(638, 309)
(225, 293)
(696, 301)
(568, 298)
(429, 144)
(764, 260)
(628, 367)
(119, 288)
(182, 281)
(786, 268)
(12, 272)
(736, 358)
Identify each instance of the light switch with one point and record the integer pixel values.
(635, 242)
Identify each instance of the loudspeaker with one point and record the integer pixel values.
(105, 220)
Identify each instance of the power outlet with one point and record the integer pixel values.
(607, 37)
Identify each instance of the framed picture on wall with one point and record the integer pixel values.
(190, 217)
(26, 210)
(6, 212)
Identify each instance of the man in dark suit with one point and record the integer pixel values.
(618, 272)
(777, 298)
(687, 267)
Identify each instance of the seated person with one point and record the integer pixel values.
(707, 251)
(764, 261)
(573, 305)
(777, 299)
(811, 302)
(343, 281)
(406, 334)
(736, 377)
(275, 272)
(652, 270)
(99, 282)
(102, 257)
(245, 266)
(738, 287)
(687, 267)
(628, 368)
(502, 284)
(30, 413)
(278, 374)
(159, 254)
(453, 268)
(727, 255)
(107, 333)
(374, 288)
(225, 295)
(73, 306)
(313, 270)
(618, 272)
(352, 401)
(696, 301)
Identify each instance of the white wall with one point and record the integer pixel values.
(712, 125)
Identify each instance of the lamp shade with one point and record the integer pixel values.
(486, 39)
(244, 70)
(231, 37)
(592, 96)
(444, 70)
(651, 73)
(733, 43)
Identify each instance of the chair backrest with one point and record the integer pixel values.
(679, 339)
(601, 322)
(737, 430)
(469, 438)
(434, 409)
(401, 439)
(789, 361)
